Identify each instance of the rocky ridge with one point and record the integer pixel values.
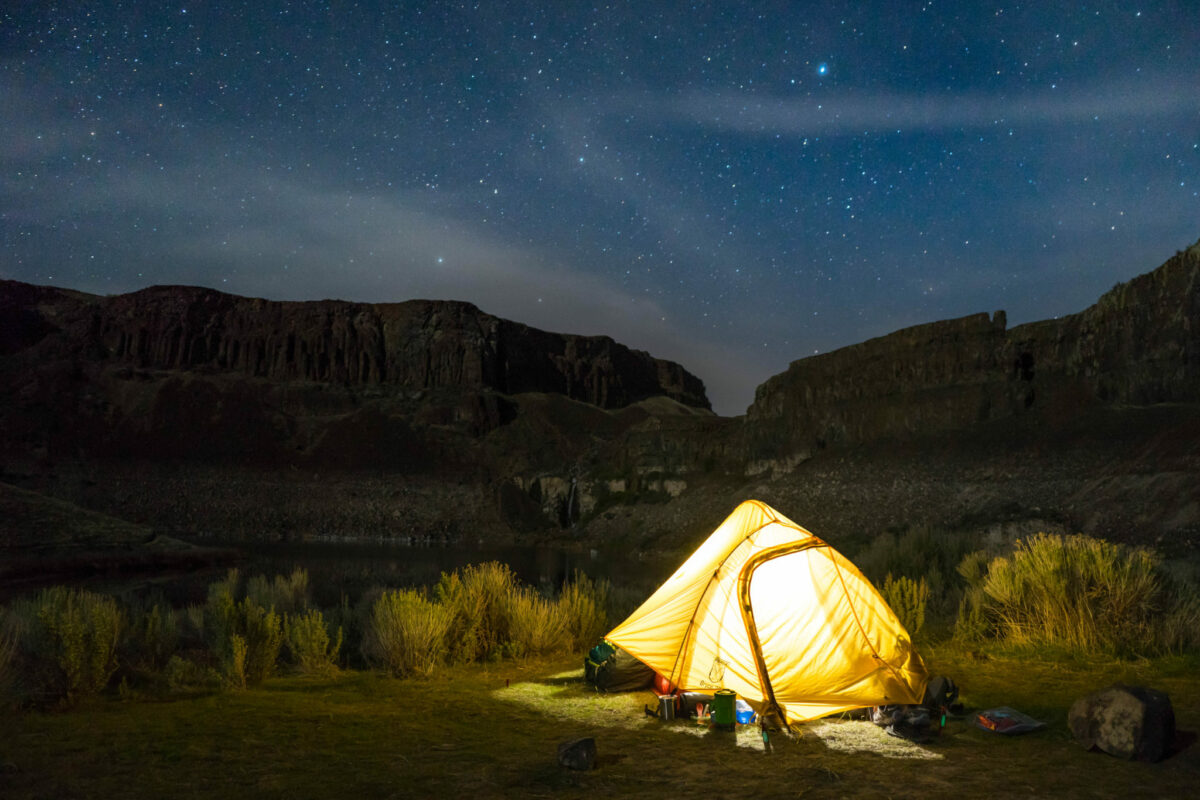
(418, 344)
(200, 413)
(1138, 345)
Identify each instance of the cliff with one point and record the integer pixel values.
(414, 345)
(1140, 344)
(198, 413)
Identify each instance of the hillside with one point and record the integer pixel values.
(203, 414)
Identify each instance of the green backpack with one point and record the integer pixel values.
(611, 669)
(595, 657)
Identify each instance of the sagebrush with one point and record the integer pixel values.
(65, 644)
(407, 634)
(1081, 594)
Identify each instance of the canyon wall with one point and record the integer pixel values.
(1139, 344)
(417, 344)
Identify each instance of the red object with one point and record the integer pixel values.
(997, 722)
(662, 685)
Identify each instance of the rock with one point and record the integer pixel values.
(578, 753)
(1129, 722)
(418, 344)
(1139, 344)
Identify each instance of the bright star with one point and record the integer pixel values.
(822, 68)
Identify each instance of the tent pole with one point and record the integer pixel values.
(744, 576)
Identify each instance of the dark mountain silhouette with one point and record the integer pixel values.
(201, 413)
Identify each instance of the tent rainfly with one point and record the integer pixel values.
(767, 609)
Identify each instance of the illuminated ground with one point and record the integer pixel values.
(492, 731)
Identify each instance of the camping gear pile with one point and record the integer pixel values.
(920, 723)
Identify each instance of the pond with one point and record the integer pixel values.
(347, 569)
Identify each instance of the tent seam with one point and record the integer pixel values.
(712, 579)
(854, 613)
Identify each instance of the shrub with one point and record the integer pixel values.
(193, 617)
(1082, 594)
(919, 552)
(537, 625)
(233, 663)
(219, 620)
(309, 643)
(583, 603)
(156, 637)
(8, 660)
(262, 632)
(478, 598)
(972, 623)
(244, 638)
(407, 633)
(908, 599)
(181, 675)
(66, 643)
(287, 595)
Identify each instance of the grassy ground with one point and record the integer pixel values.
(492, 731)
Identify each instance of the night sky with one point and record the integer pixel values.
(731, 186)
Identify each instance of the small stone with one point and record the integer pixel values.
(1130, 722)
(578, 753)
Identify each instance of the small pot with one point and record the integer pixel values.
(666, 706)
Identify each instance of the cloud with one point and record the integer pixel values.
(857, 112)
(255, 232)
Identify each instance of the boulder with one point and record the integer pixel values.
(578, 753)
(1130, 722)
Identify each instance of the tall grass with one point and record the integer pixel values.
(538, 626)
(244, 638)
(312, 649)
(407, 634)
(908, 598)
(285, 594)
(584, 602)
(482, 613)
(921, 553)
(262, 630)
(479, 599)
(1081, 594)
(63, 645)
(152, 638)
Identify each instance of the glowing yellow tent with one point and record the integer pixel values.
(769, 610)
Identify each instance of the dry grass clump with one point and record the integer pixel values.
(908, 598)
(67, 644)
(407, 633)
(537, 626)
(244, 637)
(923, 555)
(1081, 594)
(312, 649)
(479, 597)
(584, 602)
(285, 594)
(483, 614)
